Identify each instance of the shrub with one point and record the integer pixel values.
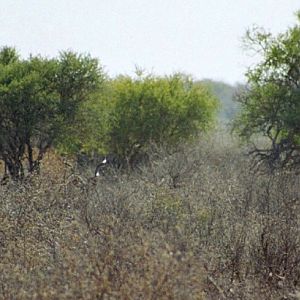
(162, 110)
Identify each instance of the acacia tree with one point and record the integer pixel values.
(39, 99)
(270, 105)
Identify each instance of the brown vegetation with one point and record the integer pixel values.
(193, 224)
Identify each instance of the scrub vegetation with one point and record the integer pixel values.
(192, 224)
(187, 210)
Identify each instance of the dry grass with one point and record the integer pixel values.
(195, 224)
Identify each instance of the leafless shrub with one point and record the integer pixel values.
(194, 223)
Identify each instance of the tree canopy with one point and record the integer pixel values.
(270, 105)
(69, 103)
(39, 99)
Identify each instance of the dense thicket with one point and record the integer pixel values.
(130, 114)
(69, 103)
(191, 225)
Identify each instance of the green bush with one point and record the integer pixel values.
(150, 109)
